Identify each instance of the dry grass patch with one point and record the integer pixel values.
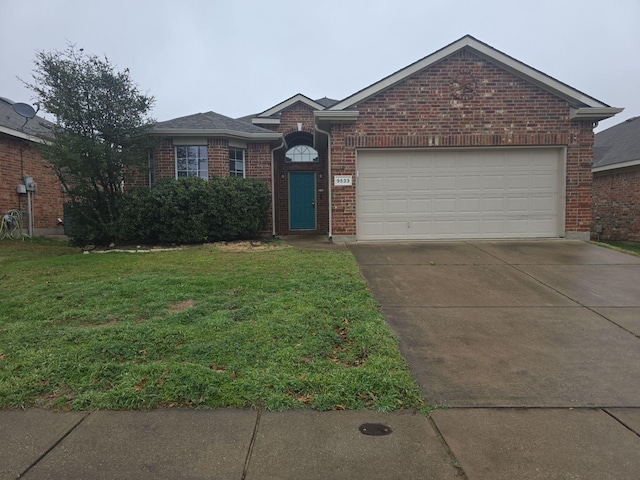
(181, 306)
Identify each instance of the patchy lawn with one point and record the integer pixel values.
(201, 327)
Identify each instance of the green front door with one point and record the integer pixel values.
(302, 200)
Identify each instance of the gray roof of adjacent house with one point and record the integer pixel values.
(14, 124)
(617, 146)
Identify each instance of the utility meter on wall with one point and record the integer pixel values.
(30, 184)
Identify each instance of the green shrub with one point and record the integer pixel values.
(193, 210)
(84, 222)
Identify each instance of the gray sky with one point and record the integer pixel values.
(238, 57)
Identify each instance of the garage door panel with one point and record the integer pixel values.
(400, 205)
(542, 181)
(372, 207)
(420, 205)
(420, 183)
(444, 205)
(397, 184)
(480, 193)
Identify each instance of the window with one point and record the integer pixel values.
(236, 162)
(192, 162)
(301, 153)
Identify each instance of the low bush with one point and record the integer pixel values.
(193, 210)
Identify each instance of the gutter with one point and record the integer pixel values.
(329, 180)
(593, 114)
(19, 134)
(273, 186)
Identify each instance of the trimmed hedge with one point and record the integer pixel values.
(193, 210)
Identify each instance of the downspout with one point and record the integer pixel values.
(273, 187)
(329, 181)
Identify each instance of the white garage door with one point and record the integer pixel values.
(485, 193)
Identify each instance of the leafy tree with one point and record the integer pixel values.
(98, 143)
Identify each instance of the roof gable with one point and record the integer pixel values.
(289, 102)
(583, 106)
(272, 115)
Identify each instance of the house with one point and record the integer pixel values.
(616, 182)
(20, 160)
(467, 142)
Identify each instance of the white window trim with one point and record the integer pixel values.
(244, 160)
(175, 160)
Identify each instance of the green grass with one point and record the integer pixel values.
(626, 247)
(200, 327)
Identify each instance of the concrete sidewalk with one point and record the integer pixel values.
(220, 444)
(491, 444)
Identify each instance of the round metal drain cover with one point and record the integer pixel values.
(376, 429)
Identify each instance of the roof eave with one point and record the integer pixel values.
(19, 134)
(198, 132)
(265, 121)
(593, 114)
(341, 116)
(615, 166)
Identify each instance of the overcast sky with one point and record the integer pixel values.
(239, 57)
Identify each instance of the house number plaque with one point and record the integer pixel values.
(342, 180)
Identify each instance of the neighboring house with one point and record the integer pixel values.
(616, 182)
(19, 158)
(465, 143)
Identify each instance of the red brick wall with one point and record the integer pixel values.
(257, 159)
(616, 205)
(422, 111)
(48, 198)
(289, 119)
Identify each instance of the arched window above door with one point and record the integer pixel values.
(301, 153)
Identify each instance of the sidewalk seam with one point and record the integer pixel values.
(251, 444)
(612, 415)
(460, 471)
(48, 450)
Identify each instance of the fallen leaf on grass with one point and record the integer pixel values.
(306, 399)
(141, 384)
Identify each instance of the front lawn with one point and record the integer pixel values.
(200, 327)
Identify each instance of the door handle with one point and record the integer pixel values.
(313, 204)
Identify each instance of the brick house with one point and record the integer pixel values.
(616, 182)
(19, 158)
(464, 143)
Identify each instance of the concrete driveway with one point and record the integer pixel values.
(539, 323)
(535, 345)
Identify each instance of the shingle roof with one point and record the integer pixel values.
(37, 126)
(617, 144)
(210, 121)
(326, 102)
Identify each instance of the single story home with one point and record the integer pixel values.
(26, 182)
(616, 182)
(467, 142)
